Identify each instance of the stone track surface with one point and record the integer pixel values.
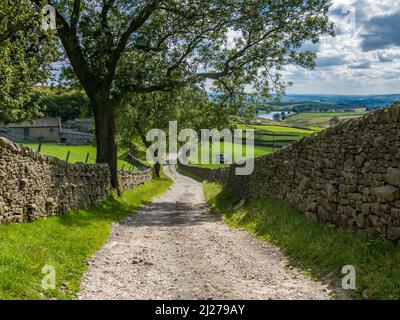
(175, 248)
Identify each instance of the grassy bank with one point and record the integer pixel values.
(319, 249)
(65, 242)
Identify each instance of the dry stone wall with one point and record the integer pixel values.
(129, 180)
(348, 175)
(33, 185)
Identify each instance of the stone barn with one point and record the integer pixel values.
(75, 138)
(47, 130)
(82, 125)
(44, 129)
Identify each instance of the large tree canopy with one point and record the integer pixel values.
(120, 47)
(26, 53)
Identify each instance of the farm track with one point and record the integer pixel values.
(175, 248)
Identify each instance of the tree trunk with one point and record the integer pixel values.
(106, 144)
(146, 143)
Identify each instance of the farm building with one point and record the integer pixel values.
(82, 125)
(74, 138)
(46, 129)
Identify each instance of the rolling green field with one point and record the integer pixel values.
(258, 151)
(267, 137)
(64, 242)
(279, 135)
(320, 119)
(282, 129)
(78, 153)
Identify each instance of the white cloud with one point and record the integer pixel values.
(344, 66)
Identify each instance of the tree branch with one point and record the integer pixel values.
(135, 24)
(107, 4)
(73, 49)
(191, 46)
(166, 86)
(227, 64)
(75, 15)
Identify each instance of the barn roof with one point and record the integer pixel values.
(38, 123)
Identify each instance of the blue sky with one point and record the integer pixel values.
(363, 58)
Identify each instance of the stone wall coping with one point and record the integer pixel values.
(37, 156)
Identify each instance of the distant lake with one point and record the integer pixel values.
(270, 116)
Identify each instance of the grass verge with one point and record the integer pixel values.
(65, 242)
(320, 249)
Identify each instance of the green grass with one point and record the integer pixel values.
(78, 153)
(321, 119)
(258, 151)
(65, 242)
(317, 248)
(281, 129)
(284, 135)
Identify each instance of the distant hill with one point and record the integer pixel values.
(332, 100)
(350, 100)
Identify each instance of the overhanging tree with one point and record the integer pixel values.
(117, 47)
(26, 53)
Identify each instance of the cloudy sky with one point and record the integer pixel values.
(363, 58)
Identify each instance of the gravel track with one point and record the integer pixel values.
(175, 248)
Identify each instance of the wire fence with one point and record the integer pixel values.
(128, 167)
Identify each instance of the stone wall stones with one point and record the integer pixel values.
(348, 175)
(33, 185)
(129, 179)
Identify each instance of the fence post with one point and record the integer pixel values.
(87, 158)
(40, 146)
(68, 154)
